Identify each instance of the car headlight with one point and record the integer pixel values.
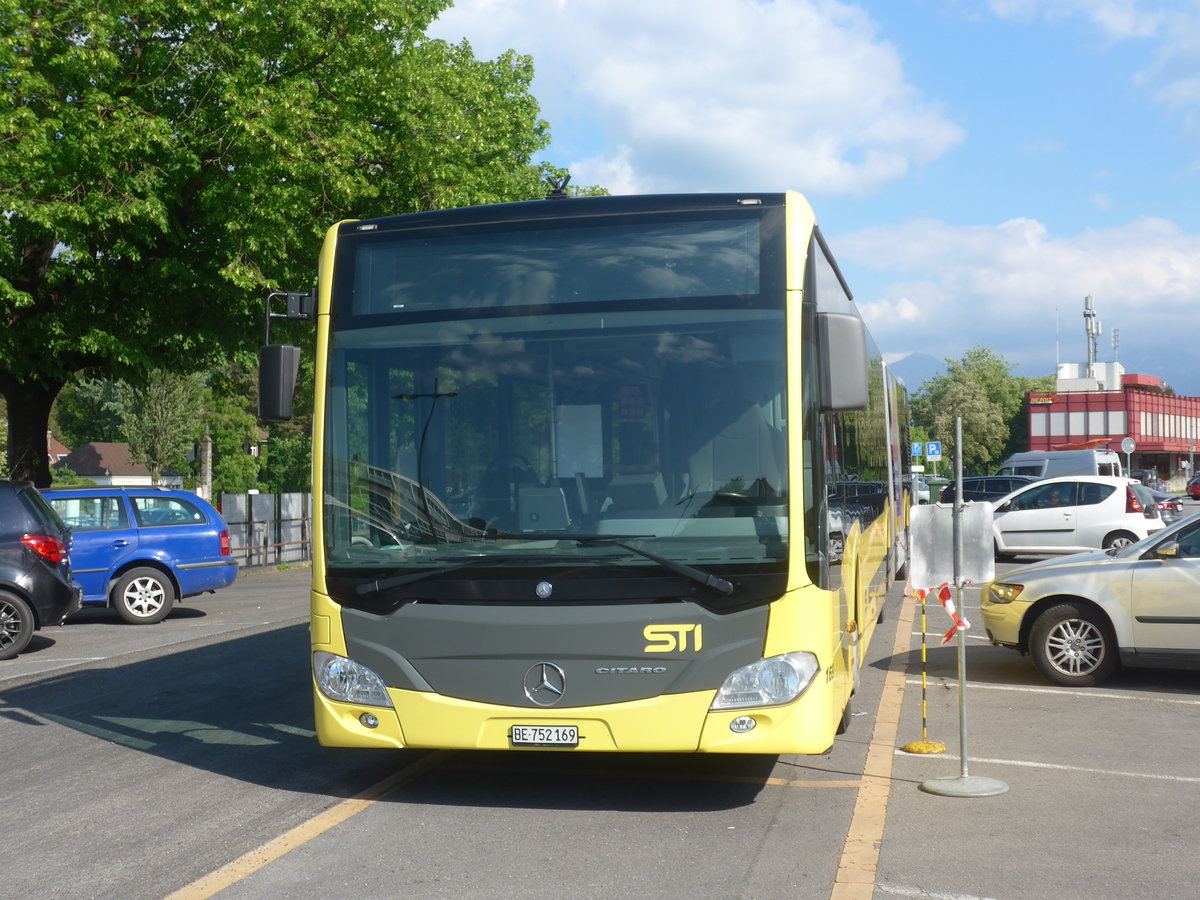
(1005, 593)
(339, 678)
(768, 682)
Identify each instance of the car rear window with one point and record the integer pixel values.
(1091, 494)
(41, 510)
(155, 511)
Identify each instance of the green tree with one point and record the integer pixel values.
(162, 165)
(90, 409)
(981, 389)
(236, 436)
(288, 465)
(163, 420)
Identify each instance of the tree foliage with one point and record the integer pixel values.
(163, 164)
(981, 390)
(163, 420)
(90, 409)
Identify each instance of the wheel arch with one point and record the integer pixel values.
(1118, 533)
(144, 563)
(20, 592)
(1045, 603)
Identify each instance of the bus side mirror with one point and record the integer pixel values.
(278, 366)
(844, 362)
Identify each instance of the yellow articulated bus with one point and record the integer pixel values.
(605, 473)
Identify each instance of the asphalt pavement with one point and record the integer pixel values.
(260, 599)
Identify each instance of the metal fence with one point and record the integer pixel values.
(269, 529)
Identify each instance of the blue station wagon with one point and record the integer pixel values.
(140, 549)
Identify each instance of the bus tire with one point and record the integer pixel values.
(847, 714)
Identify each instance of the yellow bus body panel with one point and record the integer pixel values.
(671, 723)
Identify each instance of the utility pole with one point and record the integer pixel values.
(205, 490)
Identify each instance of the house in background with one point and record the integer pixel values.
(55, 449)
(109, 464)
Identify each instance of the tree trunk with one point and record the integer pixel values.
(28, 424)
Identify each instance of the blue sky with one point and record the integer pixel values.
(979, 166)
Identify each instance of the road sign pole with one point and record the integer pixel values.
(965, 784)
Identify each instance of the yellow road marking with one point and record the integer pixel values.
(855, 879)
(259, 858)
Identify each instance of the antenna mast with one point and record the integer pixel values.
(1092, 326)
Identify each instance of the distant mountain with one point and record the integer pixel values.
(917, 368)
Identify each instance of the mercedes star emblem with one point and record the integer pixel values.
(545, 683)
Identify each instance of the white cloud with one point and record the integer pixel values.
(1006, 286)
(1173, 27)
(719, 94)
(1118, 19)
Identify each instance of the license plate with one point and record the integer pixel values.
(545, 735)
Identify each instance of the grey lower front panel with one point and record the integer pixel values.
(600, 653)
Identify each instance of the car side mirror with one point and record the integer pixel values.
(1169, 550)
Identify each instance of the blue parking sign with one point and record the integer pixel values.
(917, 448)
(933, 450)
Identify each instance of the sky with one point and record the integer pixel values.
(979, 167)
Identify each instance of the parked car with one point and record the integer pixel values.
(1068, 515)
(140, 549)
(985, 487)
(918, 488)
(1170, 506)
(1082, 616)
(1193, 487)
(36, 588)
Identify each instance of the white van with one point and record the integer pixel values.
(1053, 463)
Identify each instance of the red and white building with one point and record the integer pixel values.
(1100, 405)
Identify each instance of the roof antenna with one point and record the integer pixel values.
(558, 188)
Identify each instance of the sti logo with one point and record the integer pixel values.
(672, 638)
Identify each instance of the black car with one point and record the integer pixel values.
(986, 487)
(36, 588)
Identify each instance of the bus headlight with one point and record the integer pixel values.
(343, 679)
(768, 682)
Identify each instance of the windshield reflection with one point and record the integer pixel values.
(665, 425)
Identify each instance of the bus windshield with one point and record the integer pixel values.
(495, 438)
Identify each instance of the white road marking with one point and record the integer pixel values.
(1030, 764)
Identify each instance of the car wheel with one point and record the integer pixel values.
(1073, 645)
(16, 625)
(143, 596)
(1118, 539)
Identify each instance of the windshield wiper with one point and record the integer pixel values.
(699, 576)
(380, 585)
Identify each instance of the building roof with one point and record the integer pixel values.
(100, 458)
(55, 448)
